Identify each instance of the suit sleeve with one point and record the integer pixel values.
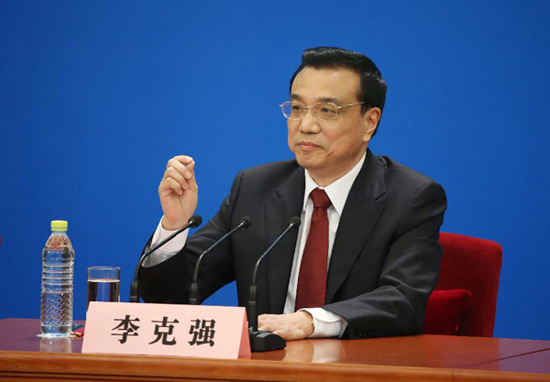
(169, 281)
(409, 273)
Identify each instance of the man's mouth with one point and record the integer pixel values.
(307, 146)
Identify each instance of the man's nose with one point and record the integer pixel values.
(309, 124)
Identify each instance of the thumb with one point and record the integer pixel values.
(193, 181)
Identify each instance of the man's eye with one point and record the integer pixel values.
(327, 111)
(297, 108)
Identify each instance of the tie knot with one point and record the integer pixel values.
(320, 198)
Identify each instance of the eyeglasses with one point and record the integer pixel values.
(322, 111)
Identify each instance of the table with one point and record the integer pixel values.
(25, 357)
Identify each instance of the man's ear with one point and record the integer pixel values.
(371, 119)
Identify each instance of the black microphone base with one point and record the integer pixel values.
(261, 340)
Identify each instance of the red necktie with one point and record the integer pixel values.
(312, 279)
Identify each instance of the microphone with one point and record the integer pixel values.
(194, 298)
(262, 340)
(193, 222)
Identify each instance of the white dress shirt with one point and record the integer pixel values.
(327, 324)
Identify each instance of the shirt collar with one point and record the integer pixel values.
(338, 190)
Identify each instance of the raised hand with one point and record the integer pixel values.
(178, 192)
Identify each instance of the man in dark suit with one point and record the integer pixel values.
(366, 256)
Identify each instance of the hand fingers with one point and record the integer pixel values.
(183, 165)
(263, 320)
(271, 322)
(183, 159)
(169, 185)
(289, 326)
(172, 173)
(179, 175)
(285, 334)
(191, 177)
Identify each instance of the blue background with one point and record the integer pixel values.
(96, 96)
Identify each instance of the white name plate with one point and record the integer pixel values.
(165, 329)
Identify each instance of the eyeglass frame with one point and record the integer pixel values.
(314, 112)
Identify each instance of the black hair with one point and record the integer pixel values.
(373, 86)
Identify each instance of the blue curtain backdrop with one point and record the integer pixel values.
(96, 96)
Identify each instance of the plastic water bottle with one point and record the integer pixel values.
(56, 313)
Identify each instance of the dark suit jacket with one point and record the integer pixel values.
(384, 263)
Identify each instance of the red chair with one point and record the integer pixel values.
(464, 301)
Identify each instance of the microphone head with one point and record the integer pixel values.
(245, 222)
(295, 221)
(195, 221)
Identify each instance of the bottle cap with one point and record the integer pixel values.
(59, 225)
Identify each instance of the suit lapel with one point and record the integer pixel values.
(361, 211)
(285, 203)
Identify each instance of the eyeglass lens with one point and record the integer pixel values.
(323, 111)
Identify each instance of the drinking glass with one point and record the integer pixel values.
(103, 284)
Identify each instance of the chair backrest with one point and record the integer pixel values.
(472, 264)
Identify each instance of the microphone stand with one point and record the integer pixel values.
(262, 340)
(194, 297)
(193, 222)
